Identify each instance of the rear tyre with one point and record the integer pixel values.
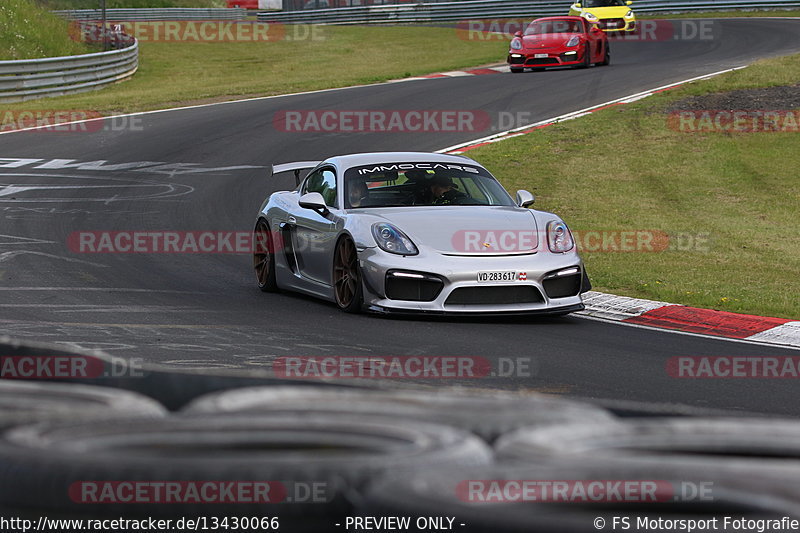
(264, 258)
(347, 277)
(516, 70)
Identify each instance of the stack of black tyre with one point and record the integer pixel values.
(383, 452)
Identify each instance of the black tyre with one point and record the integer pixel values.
(485, 414)
(264, 257)
(606, 56)
(24, 402)
(723, 438)
(587, 57)
(339, 454)
(347, 287)
(517, 70)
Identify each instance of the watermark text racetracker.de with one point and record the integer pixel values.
(735, 121)
(66, 121)
(582, 491)
(657, 30)
(68, 366)
(188, 31)
(403, 367)
(204, 492)
(734, 367)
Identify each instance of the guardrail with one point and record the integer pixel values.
(481, 9)
(172, 13)
(29, 79)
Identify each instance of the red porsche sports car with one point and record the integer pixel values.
(557, 42)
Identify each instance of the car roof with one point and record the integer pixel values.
(344, 162)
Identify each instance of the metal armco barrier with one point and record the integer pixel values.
(481, 9)
(55, 76)
(165, 13)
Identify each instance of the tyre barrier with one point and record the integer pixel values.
(485, 414)
(711, 438)
(68, 465)
(570, 497)
(764, 454)
(26, 402)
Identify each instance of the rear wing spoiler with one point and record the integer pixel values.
(294, 167)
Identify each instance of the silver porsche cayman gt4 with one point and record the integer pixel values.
(413, 232)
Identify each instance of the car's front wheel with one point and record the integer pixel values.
(347, 277)
(264, 258)
(587, 57)
(516, 70)
(606, 57)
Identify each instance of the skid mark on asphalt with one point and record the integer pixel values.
(7, 256)
(15, 239)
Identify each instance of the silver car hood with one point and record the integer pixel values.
(466, 230)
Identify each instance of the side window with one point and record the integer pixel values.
(322, 181)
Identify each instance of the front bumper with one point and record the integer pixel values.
(535, 289)
(554, 58)
(618, 25)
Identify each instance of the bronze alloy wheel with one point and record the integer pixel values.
(346, 276)
(263, 258)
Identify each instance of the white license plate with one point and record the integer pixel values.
(498, 276)
(540, 56)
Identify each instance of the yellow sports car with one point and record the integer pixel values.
(610, 15)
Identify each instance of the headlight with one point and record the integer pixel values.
(559, 238)
(516, 44)
(590, 17)
(392, 240)
(629, 14)
(573, 41)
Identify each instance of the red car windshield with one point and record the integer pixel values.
(554, 26)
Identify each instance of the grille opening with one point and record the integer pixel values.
(563, 286)
(502, 295)
(413, 289)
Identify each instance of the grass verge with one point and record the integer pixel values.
(623, 168)
(29, 32)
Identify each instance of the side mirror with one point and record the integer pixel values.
(578, 5)
(313, 201)
(629, 2)
(525, 199)
(518, 34)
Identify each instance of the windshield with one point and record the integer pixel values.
(416, 184)
(602, 3)
(554, 26)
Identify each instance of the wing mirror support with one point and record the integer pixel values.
(524, 198)
(315, 202)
